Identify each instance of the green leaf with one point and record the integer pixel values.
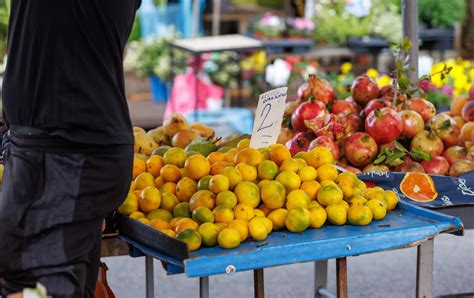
(287, 121)
(397, 155)
(420, 155)
(446, 124)
(380, 158)
(406, 44)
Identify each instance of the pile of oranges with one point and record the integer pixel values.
(237, 193)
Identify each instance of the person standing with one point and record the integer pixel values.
(70, 159)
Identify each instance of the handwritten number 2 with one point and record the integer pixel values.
(267, 109)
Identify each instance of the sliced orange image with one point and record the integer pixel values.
(418, 187)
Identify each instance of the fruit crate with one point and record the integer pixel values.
(406, 226)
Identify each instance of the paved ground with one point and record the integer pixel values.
(387, 274)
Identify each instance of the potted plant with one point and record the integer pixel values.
(269, 27)
(299, 28)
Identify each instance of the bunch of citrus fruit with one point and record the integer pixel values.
(242, 192)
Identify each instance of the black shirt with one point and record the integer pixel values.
(64, 71)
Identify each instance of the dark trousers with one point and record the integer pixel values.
(54, 197)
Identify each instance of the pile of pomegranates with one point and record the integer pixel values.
(376, 129)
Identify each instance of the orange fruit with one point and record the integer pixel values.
(143, 180)
(139, 166)
(418, 187)
(219, 166)
(289, 164)
(248, 155)
(170, 173)
(248, 172)
(245, 143)
(159, 181)
(241, 226)
(289, 179)
(279, 153)
(185, 189)
(150, 199)
(311, 188)
(233, 175)
(215, 156)
(191, 237)
(159, 224)
(218, 183)
(185, 223)
(154, 165)
(264, 209)
(197, 166)
(229, 155)
(202, 198)
(168, 187)
(457, 103)
(267, 170)
(169, 232)
(175, 156)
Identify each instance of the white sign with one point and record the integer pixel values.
(268, 118)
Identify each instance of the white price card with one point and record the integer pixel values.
(268, 118)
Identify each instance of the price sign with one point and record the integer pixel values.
(268, 118)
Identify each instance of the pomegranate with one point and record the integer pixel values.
(352, 123)
(318, 89)
(446, 129)
(333, 129)
(384, 125)
(343, 107)
(386, 92)
(412, 123)
(285, 135)
(306, 111)
(470, 154)
(460, 167)
(427, 86)
(427, 142)
(471, 92)
(410, 166)
(454, 153)
(353, 169)
(375, 168)
(327, 142)
(360, 149)
(300, 142)
(377, 103)
(438, 166)
(468, 110)
(423, 107)
(364, 89)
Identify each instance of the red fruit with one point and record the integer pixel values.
(423, 107)
(318, 89)
(377, 103)
(335, 130)
(386, 92)
(471, 93)
(327, 142)
(412, 123)
(290, 107)
(468, 110)
(300, 142)
(438, 166)
(353, 170)
(306, 111)
(460, 167)
(360, 148)
(375, 168)
(352, 123)
(384, 125)
(455, 153)
(428, 142)
(364, 89)
(410, 166)
(343, 107)
(446, 129)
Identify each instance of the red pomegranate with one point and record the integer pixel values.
(386, 92)
(438, 165)
(468, 110)
(360, 149)
(460, 167)
(412, 123)
(471, 93)
(318, 89)
(364, 89)
(300, 142)
(455, 153)
(343, 107)
(384, 125)
(427, 142)
(377, 103)
(445, 128)
(410, 166)
(290, 107)
(423, 107)
(306, 111)
(325, 141)
(375, 168)
(352, 123)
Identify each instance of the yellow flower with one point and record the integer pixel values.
(471, 74)
(346, 67)
(372, 73)
(456, 92)
(466, 64)
(384, 81)
(341, 77)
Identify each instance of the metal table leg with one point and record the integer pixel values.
(424, 269)
(150, 285)
(258, 283)
(341, 269)
(321, 279)
(204, 287)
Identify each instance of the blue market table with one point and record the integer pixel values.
(406, 226)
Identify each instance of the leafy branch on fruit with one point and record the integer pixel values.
(402, 83)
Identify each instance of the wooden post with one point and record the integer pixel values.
(259, 283)
(410, 30)
(341, 272)
(216, 17)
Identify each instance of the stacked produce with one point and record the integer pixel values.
(220, 192)
(381, 129)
